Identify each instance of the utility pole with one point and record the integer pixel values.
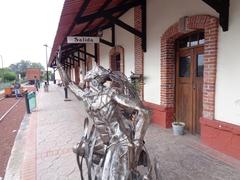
(2, 68)
(47, 63)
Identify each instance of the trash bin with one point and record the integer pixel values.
(31, 102)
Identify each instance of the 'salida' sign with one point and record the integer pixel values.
(82, 39)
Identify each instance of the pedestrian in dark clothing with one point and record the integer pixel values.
(17, 89)
(36, 82)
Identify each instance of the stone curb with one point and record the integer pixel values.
(16, 158)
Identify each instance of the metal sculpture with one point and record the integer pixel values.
(114, 147)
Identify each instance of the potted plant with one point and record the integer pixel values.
(178, 127)
(136, 80)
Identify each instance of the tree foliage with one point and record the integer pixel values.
(20, 67)
(7, 75)
(44, 76)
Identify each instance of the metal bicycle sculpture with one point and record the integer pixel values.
(114, 147)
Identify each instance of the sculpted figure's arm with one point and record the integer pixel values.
(142, 119)
(67, 82)
(141, 123)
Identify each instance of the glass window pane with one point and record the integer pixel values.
(194, 40)
(200, 65)
(201, 38)
(184, 42)
(184, 66)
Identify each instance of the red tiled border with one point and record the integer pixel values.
(160, 115)
(29, 166)
(224, 137)
(54, 152)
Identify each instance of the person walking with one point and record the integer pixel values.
(36, 82)
(17, 89)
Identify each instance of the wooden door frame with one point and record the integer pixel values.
(120, 50)
(197, 50)
(209, 25)
(192, 52)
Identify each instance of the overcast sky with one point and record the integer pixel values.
(25, 26)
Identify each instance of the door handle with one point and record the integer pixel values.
(194, 86)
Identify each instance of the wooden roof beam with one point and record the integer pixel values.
(113, 10)
(106, 3)
(222, 7)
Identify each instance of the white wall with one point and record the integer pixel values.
(124, 39)
(104, 50)
(228, 70)
(91, 50)
(161, 14)
(73, 74)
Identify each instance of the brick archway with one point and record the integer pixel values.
(185, 25)
(120, 50)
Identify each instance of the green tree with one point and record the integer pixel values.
(7, 75)
(44, 77)
(37, 65)
(20, 67)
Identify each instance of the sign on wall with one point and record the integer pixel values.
(82, 39)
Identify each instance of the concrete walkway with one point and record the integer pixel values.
(57, 125)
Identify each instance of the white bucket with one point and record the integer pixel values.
(178, 128)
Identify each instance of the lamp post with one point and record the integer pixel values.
(2, 67)
(47, 63)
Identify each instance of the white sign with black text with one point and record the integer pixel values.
(82, 39)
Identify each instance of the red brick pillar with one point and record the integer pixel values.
(139, 58)
(210, 67)
(77, 74)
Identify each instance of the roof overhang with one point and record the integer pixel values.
(222, 7)
(88, 17)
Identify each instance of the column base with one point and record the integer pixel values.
(160, 115)
(224, 137)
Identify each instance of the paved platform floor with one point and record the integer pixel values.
(57, 125)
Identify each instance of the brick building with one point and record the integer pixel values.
(32, 73)
(187, 52)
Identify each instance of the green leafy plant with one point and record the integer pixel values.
(136, 85)
(136, 80)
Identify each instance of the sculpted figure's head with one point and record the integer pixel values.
(97, 76)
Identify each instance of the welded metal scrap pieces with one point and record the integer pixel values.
(113, 149)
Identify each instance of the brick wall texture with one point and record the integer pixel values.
(139, 58)
(31, 72)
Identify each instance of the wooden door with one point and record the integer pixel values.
(198, 87)
(116, 62)
(189, 82)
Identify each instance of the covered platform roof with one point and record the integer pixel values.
(88, 17)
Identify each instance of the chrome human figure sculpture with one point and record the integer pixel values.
(114, 148)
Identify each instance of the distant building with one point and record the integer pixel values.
(31, 73)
